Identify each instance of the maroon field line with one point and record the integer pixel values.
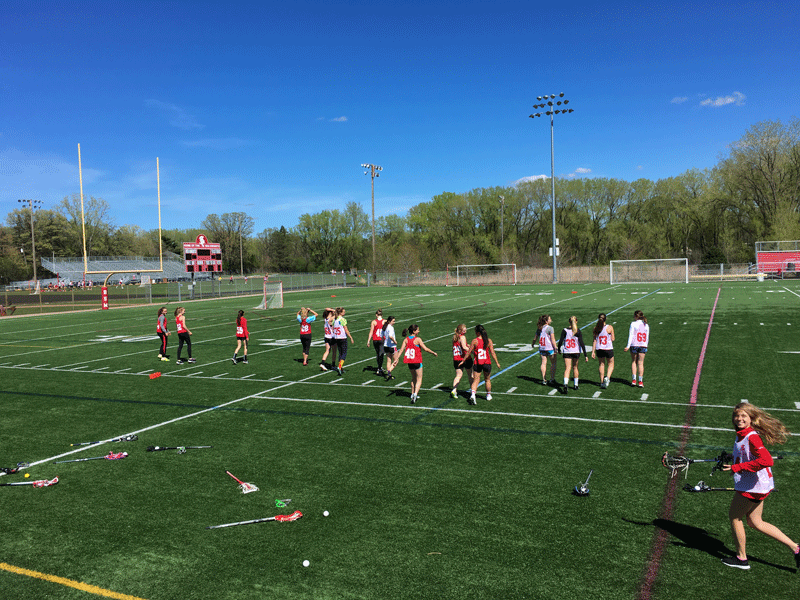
(660, 536)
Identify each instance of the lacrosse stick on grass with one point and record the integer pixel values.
(245, 487)
(36, 484)
(180, 449)
(582, 489)
(125, 438)
(12, 470)
(281, 518)
(681, 463)
(109, 456)
(703, 487)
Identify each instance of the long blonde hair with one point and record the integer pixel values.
(460, 330)
(573, 323)
(771, 430)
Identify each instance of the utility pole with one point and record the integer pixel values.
(374, 171)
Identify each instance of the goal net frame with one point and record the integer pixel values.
(273, 295)
(486, 274)
(655, 270)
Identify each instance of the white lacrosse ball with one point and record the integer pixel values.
(325, 513)
(697, 488)
(306, 563)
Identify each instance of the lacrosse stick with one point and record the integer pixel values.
(703, 487)
(282, 503)
(180, 449)
(38, 484)
(125, 438)
(246, 487)
(582, 489)
(282, 518)
(12, 470)
(109, 456)
(681, 463)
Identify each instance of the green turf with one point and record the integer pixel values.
(436, 500)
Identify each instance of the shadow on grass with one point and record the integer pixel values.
(695, 538)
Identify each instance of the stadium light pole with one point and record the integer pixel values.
(33, 205)
(550, 102)
(374, 171)
(502, 236)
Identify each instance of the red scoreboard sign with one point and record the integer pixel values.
(201, 255)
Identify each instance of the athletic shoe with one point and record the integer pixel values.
(454, 393)
(413, 398)
(160, 356)
(322, 367)
(305, 364)
(488, 396)
(234, 360)
(551, 382)
(191, 360)
(633, 383)
(472, 400)
(574, 387)
(735, 561)
(380, 372)
(797, 559)
(179, 362)
(245, 361)
(389, 377)
(602, 385)
(641, 384)
(339, 370)
(164, 359)
(544, 382)
(566, 390)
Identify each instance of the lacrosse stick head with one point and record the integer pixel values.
(292, 517)
(116, 455)
(45, 482)
(247, 488)
(675, 463)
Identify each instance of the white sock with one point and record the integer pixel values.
(566, 380)
(576, 382)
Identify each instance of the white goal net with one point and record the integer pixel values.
(486, 274)
(273, 295)
(662, 270)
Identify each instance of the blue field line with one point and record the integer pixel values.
(519, 362)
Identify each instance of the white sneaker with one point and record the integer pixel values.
(488, 396)
(454, 393)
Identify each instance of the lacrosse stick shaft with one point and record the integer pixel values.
(237, 523)
(234, 476)
(58, 462)
(588, 478)
(158, 448)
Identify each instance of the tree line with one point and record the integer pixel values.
(709, 216)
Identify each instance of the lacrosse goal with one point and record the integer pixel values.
(662, 270)
(273, 295)
(486, 274)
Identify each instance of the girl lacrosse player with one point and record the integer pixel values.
(242, 336)
(340, 334)
(305, 330)
(752, 476)
(390, 347)
(481, 348)
(546, 338)
(638, 336)
(603, 349)
(411, 350)
(163, 331)
(570, 344)
(460, 352)
(376, 337)
(183, 335)
(328, 316)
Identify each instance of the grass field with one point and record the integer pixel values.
(435, 500)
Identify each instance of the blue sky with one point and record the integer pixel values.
(270, 108)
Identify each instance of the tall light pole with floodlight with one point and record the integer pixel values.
(33, 205)
(551, 102)
(502, 237)
(374, 171)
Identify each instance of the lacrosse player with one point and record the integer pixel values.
(638, 337)
(305, 330)
(480, 349)
(242, 336)
(570, 344)
(752, 476)
(546, 338)
(603, 349)
(411, 349)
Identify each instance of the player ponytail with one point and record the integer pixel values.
(386, 322)
(239, 318)
(542, 322)
(481, 331)
(639, 316)
(573, 323)
(601, 322)
(411, 330)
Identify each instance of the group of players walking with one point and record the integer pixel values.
(570, 345)
(474, 357)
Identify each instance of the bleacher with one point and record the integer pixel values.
(72, 269)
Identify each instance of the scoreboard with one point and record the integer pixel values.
(202, 256)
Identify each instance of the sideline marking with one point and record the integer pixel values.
(78, 585)
(667, 511)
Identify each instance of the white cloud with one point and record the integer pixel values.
(639, 168)
(679, 99)
(339, 120)
(178, 116)
(582, 171)
(530, 178)
(736, 98)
